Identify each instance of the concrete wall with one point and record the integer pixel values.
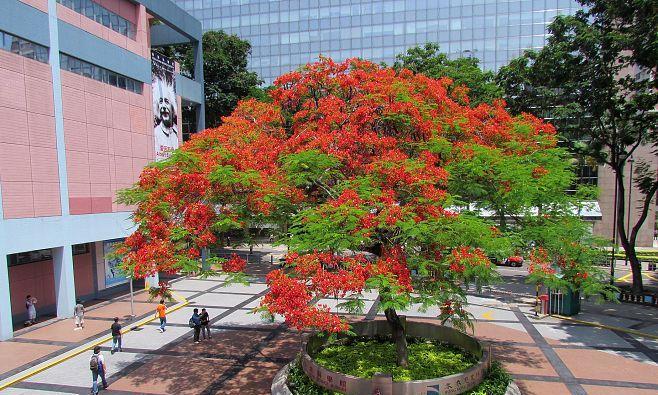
(107, 145)
(28, 155)
(604, 227)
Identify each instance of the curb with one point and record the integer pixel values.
(182, 302)
(604, 326)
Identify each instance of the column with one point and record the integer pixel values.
(6, 322)
(198, 77)
(64, 281)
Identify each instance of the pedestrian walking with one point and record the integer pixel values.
(98, 369)
(161, 312)
(116, 335)
(195, 322)
(30, 306)
(205, 323)
(79, 315)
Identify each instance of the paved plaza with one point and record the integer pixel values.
(546, 356)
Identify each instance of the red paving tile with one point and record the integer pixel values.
(254, 378)
(285, 345)
(542, 388)
(233, 343)
(63, 331)
(599, 390)
(523, 360)
(172, 375)
(497, 333)
(15, 355)
(592, 364)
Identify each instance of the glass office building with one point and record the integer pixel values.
(288, 33)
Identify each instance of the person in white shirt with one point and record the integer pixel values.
(79, 315)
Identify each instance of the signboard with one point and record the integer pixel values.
(165, 106)
(113, 275)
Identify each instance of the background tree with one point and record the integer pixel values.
(225, 73)
(599, 67)
(350, 158)
(464, 71)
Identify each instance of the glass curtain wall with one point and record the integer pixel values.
(288, 33)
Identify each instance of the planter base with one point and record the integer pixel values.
(384, 384)
(279, 386)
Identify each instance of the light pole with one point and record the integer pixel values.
(614, 236)
(630, 193)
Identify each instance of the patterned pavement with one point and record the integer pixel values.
(546, 356)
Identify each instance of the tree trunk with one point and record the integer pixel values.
(399, 333)
(628, 241)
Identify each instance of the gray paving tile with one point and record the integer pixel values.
(216, 299)
(194, 285)
(183, 315)
(245, 318)
(582, 335)
(252, 288)
(21, 391)
(76, 372)
(149, 338)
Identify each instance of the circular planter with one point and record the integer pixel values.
(279, 386)
(383, 384)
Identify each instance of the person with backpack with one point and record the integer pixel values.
(79, 314)
(98, 369)
(195, 322)
(161, 312)
(205, 323)
(116, 335)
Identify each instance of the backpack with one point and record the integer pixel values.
(93, 363)
(191, 323)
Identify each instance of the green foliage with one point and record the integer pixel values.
(362, 357)
(299, 383)
(597, 79)
(308, 168)
(466, 71)
(574, 251)
(495, 383)
(225, 73)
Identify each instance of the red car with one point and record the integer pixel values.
(514, 260)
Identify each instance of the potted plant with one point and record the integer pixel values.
(565, 260)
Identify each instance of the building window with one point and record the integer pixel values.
(23, 258)
(86, 69)
(23, 47)
(102, 15)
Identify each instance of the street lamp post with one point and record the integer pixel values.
(628, 217)
(614, 237)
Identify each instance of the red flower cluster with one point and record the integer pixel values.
(462, 258)
(390, 135)
(234, 264)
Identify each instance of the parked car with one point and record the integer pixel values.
(514, 260)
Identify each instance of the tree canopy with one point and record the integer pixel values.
(597, 78)
(225, 73)
(376, 177)
(464, 71)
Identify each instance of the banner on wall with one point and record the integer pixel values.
(165, 106)
(113, 275)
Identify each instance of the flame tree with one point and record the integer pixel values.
(346, 158)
